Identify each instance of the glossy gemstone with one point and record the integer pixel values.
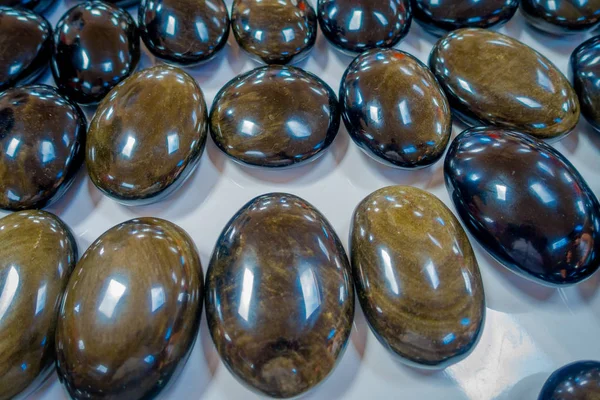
(576, 381)
(96, 46)
(438, 17)
(131, 312)
(354, 26)
(42, 137)
(280, 300)
(37, 254)
(274, 116)
(586, 75)
(184, 31)
(29, 58)
(493, 79)
(562, 16)
(124, 3)
(525, 204)
(147, 135)
(416, 276)
(275, 31)
(394, 109)
(36, 5)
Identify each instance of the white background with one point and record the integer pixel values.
(530, 330)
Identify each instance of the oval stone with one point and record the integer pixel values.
(36, 5)
(525, 204)
(274, 116)
(131, 312)
(147, 135)
(279, 296)
(562, 16)
(576, 381)
(394, 109)
(493, 79)
(185, 32)
(439, 17)
(24, 62)
(123, 3)
(586, 74)
(354, 26)
(96, 46)
(275, 31)
(37, 255)
(42, 137)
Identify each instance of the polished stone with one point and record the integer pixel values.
(42, 139)
(280, 300)
(184, 32)
(576, 381)
(147, 135)
(124, 3)
(96, 46)
(562, 16)
(586, 79)
(275, 31)
(416, 276)
(439, 17)
(36, 5)
(274, 116)
(131, 312)
(493, 79)
(37, 255)
(354, 26)
(394, 109)
(24, 62)
(525, 204)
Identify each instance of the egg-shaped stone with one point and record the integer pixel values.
(96, 46)
(525, 204)
(124, 3)
(37, 255)
(131, 312)
(493, 79)
(42, 141)
(562, 16)
(576, 381)
(275, 31)
(274, 116)
(279, 296)
(439, 17)
(394, 109)
(585, 68)
(25, 46)
(184, 32)
(416, 276)
(354, 26)
(36, 5)
(147, 135)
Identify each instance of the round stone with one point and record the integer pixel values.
(36, 5)
(562, 17)
(586, 75)
(576, 381)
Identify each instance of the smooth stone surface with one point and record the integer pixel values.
(493, 79)
(576, 381)
(124, 3)
(131, 312)
(586, 75)
(275, 31)
(394, 109)
(354, 26)
(37, 255)
(439, 17)
(525, 204)
(147, 135)
(25, 46)
(280, 300)
(274, 116)
(96, 46)
(185, 32)
(416, 276)
(42, 140)
(562, 16)
(36, 5)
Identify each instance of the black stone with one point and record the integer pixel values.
(562, 16)
(585, 68)
(35, 5)
(576, 381)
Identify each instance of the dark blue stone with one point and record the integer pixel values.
(578, 380)
(585, 67)
(35, 5)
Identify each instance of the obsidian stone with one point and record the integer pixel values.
(585, 67)
(525, 204)
(354, 26)
(42, 137)
(25, 46)
(441, 16)
(185, 32)
(275, 31)
(394, 109)
(274, 116)
(562, 16)
(96, 46)
(576, 381)
(279, 296)
(124, 3)
(36, 5)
